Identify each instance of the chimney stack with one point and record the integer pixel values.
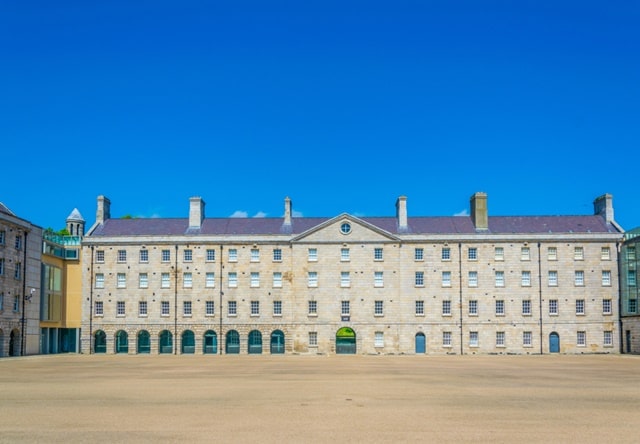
(479, 211)
(287, 211)
(401, 214)
(603, 206)
(196, 212)
(104, 210)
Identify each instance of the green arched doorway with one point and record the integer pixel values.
(255, 342)
(144, 342)
(166, 342)
(122, 342)
(100, 342)
(277, 342)
(188, 342)
(232, 344)
(210, 342)
(346, 341)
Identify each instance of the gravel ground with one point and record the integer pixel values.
(318, 399)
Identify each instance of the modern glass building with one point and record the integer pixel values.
(629, 292)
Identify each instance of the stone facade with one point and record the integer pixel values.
(387, 285)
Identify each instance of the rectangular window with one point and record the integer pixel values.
(144, 256)
(143, 280)
(473, 279)
(631, 278)
(608, 339)
(1, 266)
(210, 279)
(500, 336)
(446, 254)
(277, 308)
(345, 255)
(277, 255)
(99, 308)
(232, 308)
(526, 279)
(606, 306)
(142, 308)
(312, 279)
(446, 339)
(233, 279)
(187, 255)
(473, 307)
(499, 278)
(378, 279)
(553, 307)
(313, 308)
(446, 279)
(419, 279)
(120, 308)
(255, 308)
(631, 253)
(525, 254)
(186, 308)
(99, 280)
(473, 339)
(419, 308)
(377, 254)
(187, 280)
(579, 278)
(582, 339)
(121, 280)
(606, 278)
(605, 254)
(579, 306)
(122, 256)
(527, 337)
(446, 308)
(1, 301)
(379, 308)
(553, 278)
(313, 254)
(164, 308)
(499, 307)
(499, 254)
(3, 236)
(578, 253)
(233, 255)
(255, 279)
(418, 254)
(632, 305)
(211, 255)
(165, 280)
(277, 279)
(552, 254)
(345, 279)
(472, 254)
(313, 339)
(526, 307)
(18, 271)
(345, 308)
(209, 307)
(255, 255)
(166, 256)
(16, 304)
(100, 256)
(18, 243)
(379, 339)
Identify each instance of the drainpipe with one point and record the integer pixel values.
(220, 305)
(540, 294)
(460, 285)
(23, 342)
(175, 306)
(90, 304)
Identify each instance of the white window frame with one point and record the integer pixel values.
(581, 338)
(277, 255)
(255, 279)
(313, 339)
(446, 339)
(312, 255)
(500, 339)
(209, 308)
(312, 279)
(445, 254)
(187, 309)
(606, 306)
(526, 307)
(378, 279)
(255, 255)
(474, 339)
(418, 254)
(579, 278)
(210, 255)
(121, 308)
(378, 254)
(277, 279)
(419, 279)
(605, 254)
(165, 308)
(580, 307)
(99, 308)
(473, 307)
(187, 280)
(233, 255)
(232, 280)
(578, 253)
(277, 308)
(526, 278)
(345, 279)
(446, 307)
(525, 254)
(527, 339)
(121, 280)
(165, 280)
(143, 280)
(232, 308)
(255, 308)
(472, 254)
(500, 307)
(473, 279)
(378, 308)
(210, 279)
(499, 276)
(606, 278)
(166, 256)
(553, 307)
(446, 279)
(345, 255)
(552, 278)
(378, 341)
(419, 308)
(99, 280)
(552, 253)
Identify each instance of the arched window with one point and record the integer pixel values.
(277, 342)
(210, 345)
(346, 341)
(255, 342)
(166, 342)
(100, 342)
(188, 342)
(144, 342)
(122, 342)
(232, 345)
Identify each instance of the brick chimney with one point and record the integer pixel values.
(196, 212)
(479, 211)
(401, 214)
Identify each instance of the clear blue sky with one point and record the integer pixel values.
(343, 106)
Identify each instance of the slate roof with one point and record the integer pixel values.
(417, 225)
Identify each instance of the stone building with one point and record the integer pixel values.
(345, 284)
(20, 244)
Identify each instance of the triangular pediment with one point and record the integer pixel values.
(345, 228)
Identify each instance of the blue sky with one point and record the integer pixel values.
(342, 106)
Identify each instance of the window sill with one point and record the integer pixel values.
(312, 315)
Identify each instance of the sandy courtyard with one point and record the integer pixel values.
(276, 399)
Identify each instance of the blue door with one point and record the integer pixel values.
(554, 343)
(421, 346)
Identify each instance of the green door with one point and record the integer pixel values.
(346, 341)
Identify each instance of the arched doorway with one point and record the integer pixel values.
(554, 343)
(14, 343)
(255, 342)
(122, 342)
(346, 341)
(277, 342)
(100, 342)
(144, 342)
(421, 343)
(210, 345)
(232, 345)
(188, 342)
(166, 342)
